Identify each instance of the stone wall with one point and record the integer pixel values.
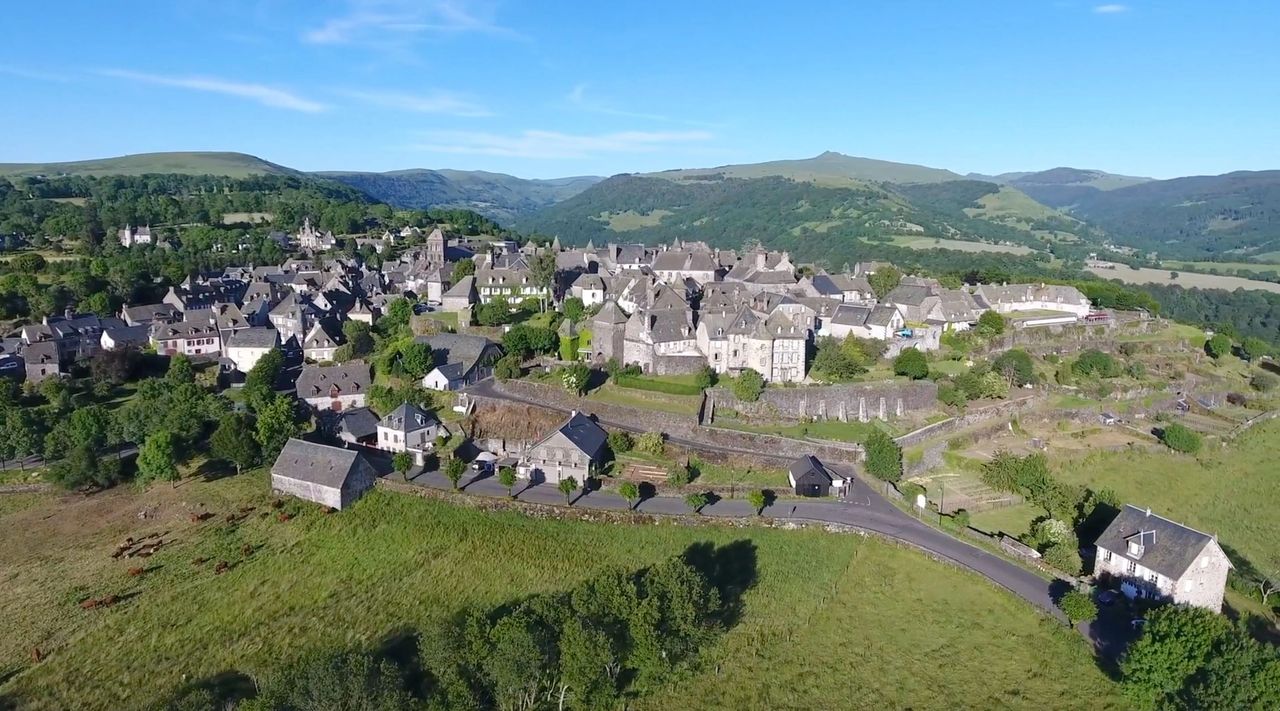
(997, 411)
(849, 402)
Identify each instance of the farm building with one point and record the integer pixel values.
(330, 476)
(809, 477)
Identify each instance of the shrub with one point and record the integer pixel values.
(911, 363)
(1078, 606)
(507, 367)
(1263, 382)
(962, 518)
(990, 323)
(1180, 439)
(705, 378)
(1096, 363)
(678, 475)
(652, 443)
(884, 456)
(620, 442)
(1218, 346)
(748, 386)
(1015, 366)
(1062, 556)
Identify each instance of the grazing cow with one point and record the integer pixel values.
(246, 550)
(247, 509)
(222, 567)
(282, 517)
(36, 655)
(135, 572)
(89, 604)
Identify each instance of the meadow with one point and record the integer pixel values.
(922, 242)
(1185, 279)
(833, 621)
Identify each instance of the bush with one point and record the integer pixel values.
(748, 386)
(962, 518)
(652, 443)
(1263, 382)
(1218, 346)
(911, 363)
(678, 475)
(1096, 363)
(507, 367)
(884, 456)
(1062, 556)
(1078, 606)
(620, 442)
(990, 323)
(705, 378)
(1015, 366)
(1180, 439)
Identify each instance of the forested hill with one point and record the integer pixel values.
(495, 195)
(1203, 217)
(813, 221)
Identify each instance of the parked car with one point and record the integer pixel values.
(1107, 598)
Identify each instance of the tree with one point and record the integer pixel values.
(1263, 382)
(416, 359)
(748, 386)
(567, 486)
(453, 471)
(884, 456)
(507, 367)
(629, 491)
(83, 467)
(543, 272)
(1015, 367)
(573, 309)
(1095, 363)
(678, 475)
(1253, 348)
(526, 340)
(233, 441)
(705, 377)
(1217, 346)
(620, 442)
(275, 425)
(180, 370)
(696, 501)
(990, 323)
(838, 361)
(1078, 606)
(402, 462)
(912, 364)
(21, 434)
(576, 378)
(157, 458)
(359, 337)
(260, 381)
(1063, 556)
(345, 680)
(507, 478)
(1180, 438)
(115, 366)
(758, 500)
(86, 427)
(884, 280)
(1176, 642)
(463, 268)
(652, 443)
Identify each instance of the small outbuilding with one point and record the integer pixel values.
(810, 477)
(330, 476)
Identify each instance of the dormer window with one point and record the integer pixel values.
(1135, 549)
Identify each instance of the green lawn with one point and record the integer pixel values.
(822, 429)
(834, 621)
(645, 399)
(1233, 492)
(1013, 520)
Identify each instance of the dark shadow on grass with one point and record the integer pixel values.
(223, 690)
(215, 469)
(732, 569)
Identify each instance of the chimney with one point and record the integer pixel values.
(1148, 510)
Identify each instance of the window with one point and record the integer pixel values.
(1106, 556)
(1133, 567)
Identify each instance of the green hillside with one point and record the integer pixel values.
(829, 169)
(495, 195)
(234, 165)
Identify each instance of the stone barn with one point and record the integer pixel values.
(809, 477)
(330, 476)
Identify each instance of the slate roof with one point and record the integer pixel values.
(129, 335)
(317, 463)
(146, 313)
(610, 313)
(583, 433)
(908, 294)
(358, 423)
(809, 465)
(1169, 547)
(881, 315)
(457, 348)
(408, 418)
(851, 315)
(350, 378)
(254, 338)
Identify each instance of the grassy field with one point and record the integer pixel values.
(831, 618)
(631, 397)
(1185, 279)
(235, 165)
(1013, 520)
(920, 242)
(822, 429)
(1222, 266)
(1233, 491)
(632, 220)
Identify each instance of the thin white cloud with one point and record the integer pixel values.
(434, 103)
(555, 145)
(1110, 9)
(579, 99)
(377, 22)
(265, 95)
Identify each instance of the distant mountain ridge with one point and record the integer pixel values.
(829, 168)
(498, 196)
(230, 164)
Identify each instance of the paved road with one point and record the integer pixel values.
(35, 461)
(863, 508)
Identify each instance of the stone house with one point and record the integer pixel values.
(329, 476)
(574, 449)
(186, 337)
(322, 341)
(1010, 298)
(864, 321)
(1152, 557)
(244, 348)
(411, 429)
(461, 360)
(131, 236)
(334, 387)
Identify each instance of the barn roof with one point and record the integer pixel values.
(318, 464)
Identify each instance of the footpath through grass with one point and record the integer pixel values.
(834, 621)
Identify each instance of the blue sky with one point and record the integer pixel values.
(554, 88)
